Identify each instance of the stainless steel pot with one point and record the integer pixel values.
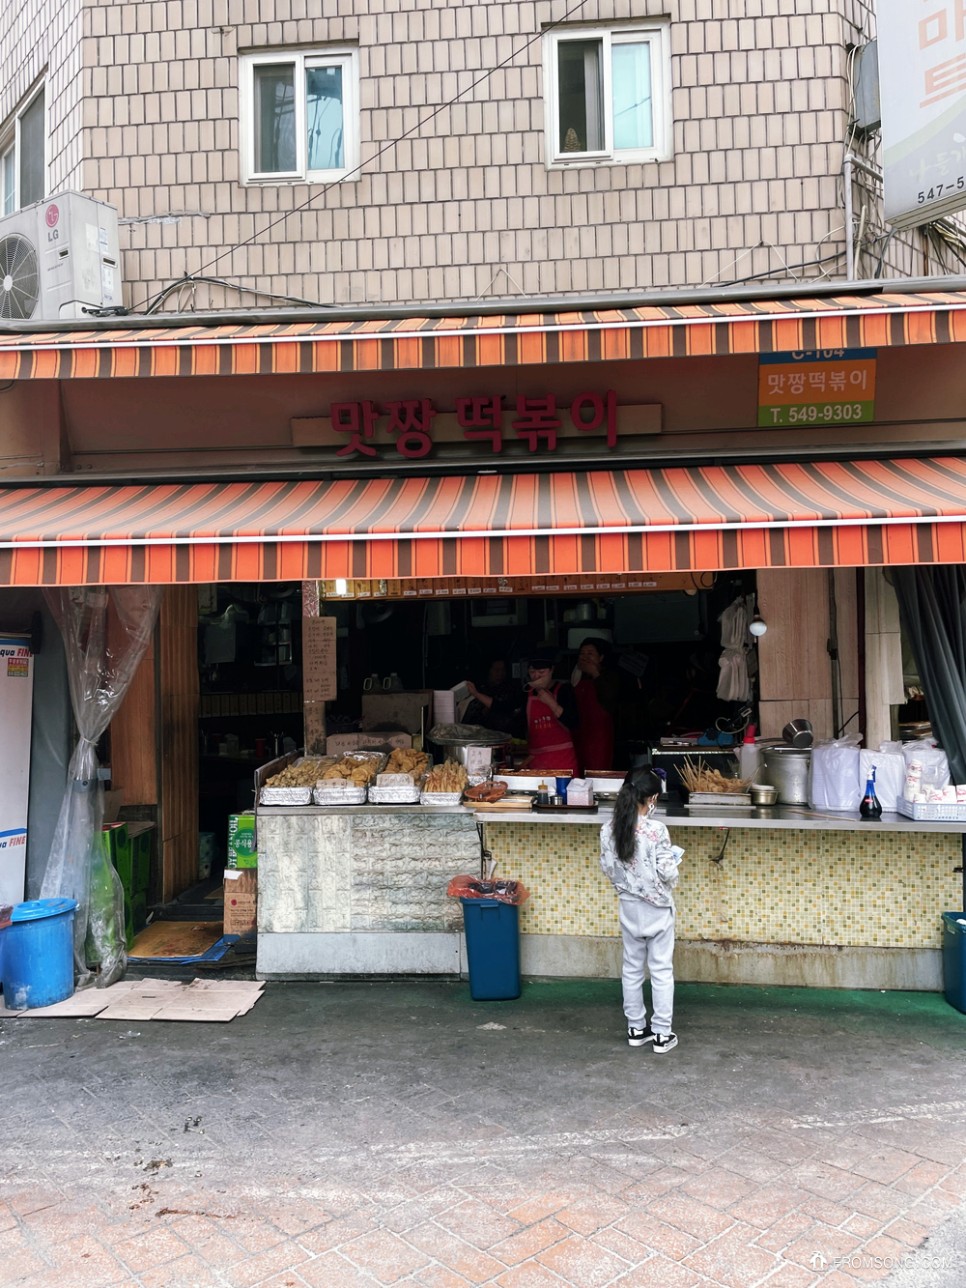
(799, 733)
(787, 769)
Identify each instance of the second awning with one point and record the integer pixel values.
(707, 518)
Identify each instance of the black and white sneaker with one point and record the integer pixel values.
(665, 1042)
(638, 1037)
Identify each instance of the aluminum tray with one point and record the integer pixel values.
(440, 798)
(394, 795)
(339, 795)
(285, 796)
(724, 799)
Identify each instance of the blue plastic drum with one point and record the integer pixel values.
(38, 954)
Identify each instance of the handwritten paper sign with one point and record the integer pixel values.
(319, 682)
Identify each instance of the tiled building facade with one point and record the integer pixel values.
(146, 110)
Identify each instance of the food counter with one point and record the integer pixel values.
(777, 895)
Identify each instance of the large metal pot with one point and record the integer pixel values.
(787, 769)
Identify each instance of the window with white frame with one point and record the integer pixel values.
(23, 156)
(608, 93)
(300, 115)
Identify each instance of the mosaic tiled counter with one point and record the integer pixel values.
(777, 897)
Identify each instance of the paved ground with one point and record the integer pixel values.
(374, 1133)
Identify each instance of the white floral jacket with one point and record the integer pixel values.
(654, 871)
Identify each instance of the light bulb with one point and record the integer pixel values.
(758, 625)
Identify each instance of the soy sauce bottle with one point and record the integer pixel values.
(870, 809)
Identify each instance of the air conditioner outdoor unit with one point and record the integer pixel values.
(58, 258)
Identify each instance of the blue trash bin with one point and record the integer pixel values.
(38, 954)
(492, 948)
(954, 959)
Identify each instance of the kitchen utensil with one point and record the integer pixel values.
(799, 733)
(787, 769)
(763, 794)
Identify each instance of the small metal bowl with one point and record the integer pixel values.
(799, 733)
(763, 794)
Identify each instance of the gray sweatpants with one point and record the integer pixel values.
(648, 935)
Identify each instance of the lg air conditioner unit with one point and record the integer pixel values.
(59, 258)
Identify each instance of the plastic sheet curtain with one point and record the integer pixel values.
(100, 667)
(932, 606)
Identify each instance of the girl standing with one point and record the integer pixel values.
(636, 854)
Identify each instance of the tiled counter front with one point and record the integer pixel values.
(826, 908)
(360, 892)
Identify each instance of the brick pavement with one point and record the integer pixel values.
(350, 1134)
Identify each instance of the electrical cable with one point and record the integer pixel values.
(387, 147)
(190, 279)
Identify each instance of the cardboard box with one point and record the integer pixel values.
(242, 851)
(409, 711)
(112, 805)
(241, 902)
(337, 744)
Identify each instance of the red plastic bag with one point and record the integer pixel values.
(467, 887)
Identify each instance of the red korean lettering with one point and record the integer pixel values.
(603, 413)
(358, 420)
(934, 28)
(481, 420)
(537, 421)
(412, 422)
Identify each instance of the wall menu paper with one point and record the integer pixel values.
(318, 659)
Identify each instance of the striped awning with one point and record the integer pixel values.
(816, 514)
(877, 320)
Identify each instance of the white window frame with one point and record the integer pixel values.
(655, 34)
(10, 144)
(345, 57)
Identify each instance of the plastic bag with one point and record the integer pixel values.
(467, 887)
(932, 760)
(890, 772)
(834, 775)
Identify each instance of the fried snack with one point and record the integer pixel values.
(353, 770)
(448, 777)
(406, 760)
(701, 778)
(305, 774)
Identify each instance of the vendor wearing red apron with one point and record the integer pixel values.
(551, 720)
(597, 697)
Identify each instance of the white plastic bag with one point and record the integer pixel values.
(834, 774)
(933, 760)
(890, 772)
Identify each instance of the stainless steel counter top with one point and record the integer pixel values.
(778, 817)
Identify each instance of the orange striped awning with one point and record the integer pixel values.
(814, 514)
(410, 343)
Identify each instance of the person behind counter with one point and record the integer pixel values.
(551, 720)
(496, 702)
(597, 694)
(637, 856)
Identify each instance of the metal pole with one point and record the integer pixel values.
(849, 247)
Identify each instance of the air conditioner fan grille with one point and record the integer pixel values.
(19, 277)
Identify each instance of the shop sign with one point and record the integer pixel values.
(816, 387)
(492, 424)
(458, 587)
(922, 74)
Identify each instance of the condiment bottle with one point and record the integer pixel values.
(543, 794)
(749, 756)
(870, 809)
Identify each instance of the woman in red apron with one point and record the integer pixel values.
(596, 695)
(551, 720)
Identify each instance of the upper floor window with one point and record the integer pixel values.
(608, 93)
(23, 157)
(299, 115)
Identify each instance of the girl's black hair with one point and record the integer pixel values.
(636, 790)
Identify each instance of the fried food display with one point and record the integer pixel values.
(488, 792)
(448, 777)
(306, 773)
(701, 778)
(357, 770)
(406, 760)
